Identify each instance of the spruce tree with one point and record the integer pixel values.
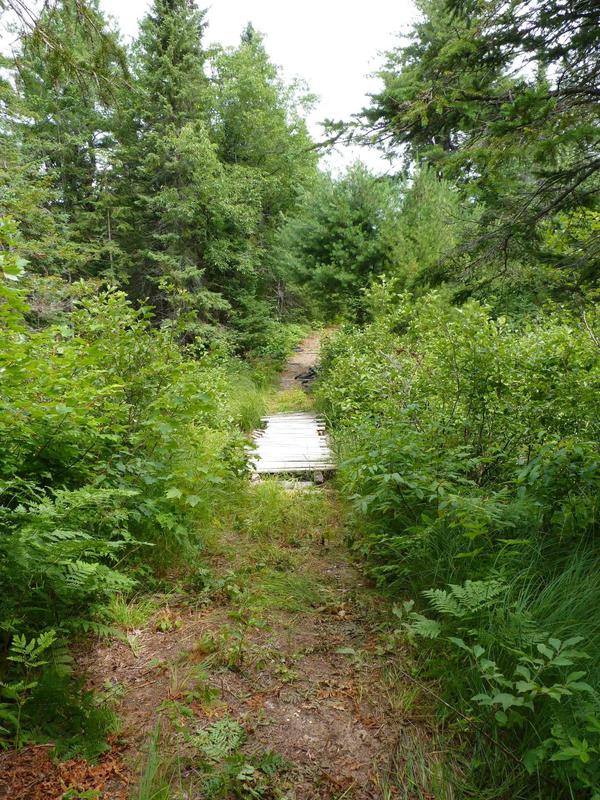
(56, 131)
(345, 233)
(259, 123)
(172, 195)
(503, 98)
(263, 141)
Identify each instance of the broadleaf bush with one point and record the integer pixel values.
(118, 444)
(468, 448)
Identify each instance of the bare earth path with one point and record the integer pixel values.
(305, 357)
(270, 671)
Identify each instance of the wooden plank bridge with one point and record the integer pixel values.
(294, 443)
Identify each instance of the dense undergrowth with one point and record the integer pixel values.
(468, 448)
(118, 445)
(142, 319)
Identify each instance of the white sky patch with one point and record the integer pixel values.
(332, 45)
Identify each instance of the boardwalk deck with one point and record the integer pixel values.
(293, 443)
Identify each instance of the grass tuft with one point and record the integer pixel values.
(289, 400)
(268, 511)
(286, 591)
(131, 614)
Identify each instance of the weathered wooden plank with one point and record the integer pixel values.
(265, 466)
(296, 460)
(293, 454)
(305, 428)
(305, 462)
(299, 457)
(295, 470)
(298, 442)
(294, 421)
(289, 452)
(281, 455)
(294, 442)
(276, 448)
(304, 433)
(293, 426)
(293, 418)
(292, 438)
(311, 463)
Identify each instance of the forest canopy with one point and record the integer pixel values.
(164, 168)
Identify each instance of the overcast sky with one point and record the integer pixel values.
(332, 44)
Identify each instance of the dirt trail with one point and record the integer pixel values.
(305, 356)
(276, 637)
(306, 685)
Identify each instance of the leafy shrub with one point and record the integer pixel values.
(117, 447)
(469, 451)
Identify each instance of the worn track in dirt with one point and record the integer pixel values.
(304, 359)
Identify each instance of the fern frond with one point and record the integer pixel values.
(220, 739)
(467, 599)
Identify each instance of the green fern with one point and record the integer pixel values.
(219, 740)
(29, 655)
(422, 626)
(466, 600)
(97, 628)
(244, 777)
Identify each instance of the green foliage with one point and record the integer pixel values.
(119, 445)
(468, 440)
(290, 400)
(245, 777)
(29, 656)
(175, 234)
(151, 785)
(340, 239)
(292, 592)
(499, 98)
(259, 124)
(227, 771)
(57, 134)
(463, 601)
(216, 767)
(220, 739)
(76, 720)
(204, 169)
(264, 512)
(12, 302)
(468, 450)
(165, 169)
(357, 242)
(130, 614)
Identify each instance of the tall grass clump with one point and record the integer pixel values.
(267, 511)
(469, 451)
